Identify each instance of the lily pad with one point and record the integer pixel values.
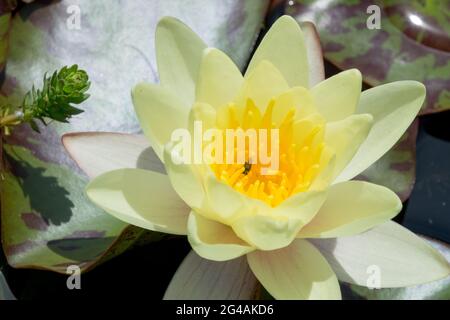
(412, 42)
(47, 222)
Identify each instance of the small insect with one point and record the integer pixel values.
(247, 167)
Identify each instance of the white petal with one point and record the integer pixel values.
(201, 279)
(100, 152)
(402, 258)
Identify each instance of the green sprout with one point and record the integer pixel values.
(62, 90)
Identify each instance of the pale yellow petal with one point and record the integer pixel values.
(393, 107)
(337, 97)
(346, 136)
(142, 198)
(219, 79)
(262, 84)
(186, 178)
(159, 112)
(269, 228)
(298, 271)
(179, 53)
(213, 240)
(352, 207)
(284, 46)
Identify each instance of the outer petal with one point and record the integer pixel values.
(337, 97)
(100, 152)
(284, 46)
(186, 179)
(159, 112)
(273, 228)
(402, 258)
(219, 80)
(314, 53)
(178, 54)
(352, 207)
(213, 240)
(201, 279)
(393, 107)
(142, 198)
(262, 84)
(346, 136)
(298, 271)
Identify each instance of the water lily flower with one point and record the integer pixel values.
(299, 229)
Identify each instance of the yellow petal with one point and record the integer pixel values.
(352, 207)
(297, 97)
(346, 136)
(261, 85)
(142, 198)
(159, 112)
(390, 251)
(179, 53)
(213, 240)
(393, 107)
(219, 79)
(284, 46)
(202, 112)
(298, 271)
(201, 279)
(186, 178)
(223, 202)
(336, 98)
(269, 228)
(99, 152)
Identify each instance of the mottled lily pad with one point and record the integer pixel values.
(47, 222)
(412, 42)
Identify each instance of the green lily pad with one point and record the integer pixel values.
(397, 168)
(412, 43)
(5, 22)
(47, 221)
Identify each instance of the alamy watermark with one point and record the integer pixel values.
(230, 146)
(74, 279)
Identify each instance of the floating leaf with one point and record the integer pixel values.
(47, 222)
(398, 50)
(5, 22)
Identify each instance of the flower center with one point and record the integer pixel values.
(300, 146)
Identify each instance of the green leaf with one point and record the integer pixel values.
(399, 50)
(5, 22)
(47, 221)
